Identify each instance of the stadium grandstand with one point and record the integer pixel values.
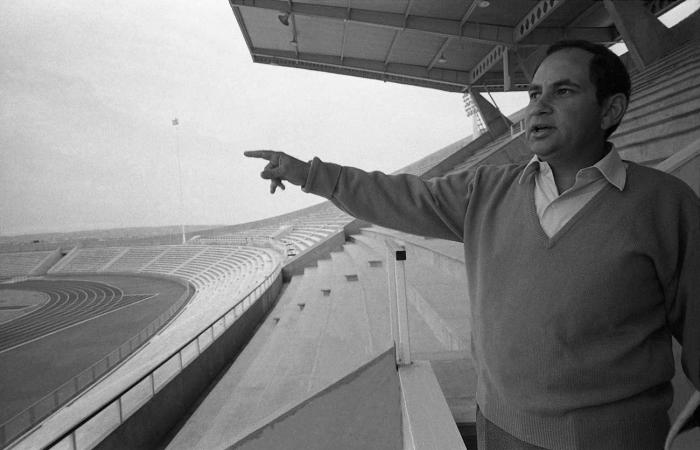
(313, 330)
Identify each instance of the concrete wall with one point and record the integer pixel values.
(152, 424)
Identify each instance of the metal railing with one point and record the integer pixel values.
(517, 128)
(111, 414)
(50, 403)
(79, 435)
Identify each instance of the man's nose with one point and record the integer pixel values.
(540, 105)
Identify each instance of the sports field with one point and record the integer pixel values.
(54, 328)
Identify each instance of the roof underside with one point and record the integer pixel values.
(442, 44)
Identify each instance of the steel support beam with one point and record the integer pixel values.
(439, 53)
(548, 35)
(463, 30)
(470, 31)
(391, 47)
(537, 14)
(647, 39)
(406, 13)
(487, 62)
(444, 79)
(526, 26)
(506, 71)
(468, 13)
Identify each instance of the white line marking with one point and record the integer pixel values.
(77, 323)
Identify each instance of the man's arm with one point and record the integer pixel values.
(403, 202)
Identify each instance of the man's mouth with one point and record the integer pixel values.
(540, 130)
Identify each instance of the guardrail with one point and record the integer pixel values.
(517, 128)
(50, 403)
(100, 423)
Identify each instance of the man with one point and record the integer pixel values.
(580, 265)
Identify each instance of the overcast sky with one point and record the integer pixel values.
(88, 90)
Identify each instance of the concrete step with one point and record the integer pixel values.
(664, 76)
(666, 64)
(668, 78)
(663, 116)
(376, 302)
(684, 91)
(345, 331)
(331, 338)
(263, 387)
(660, 140)
(220, 405)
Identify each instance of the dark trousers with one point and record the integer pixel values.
(491, 437)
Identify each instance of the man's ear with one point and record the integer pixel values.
(614, 108)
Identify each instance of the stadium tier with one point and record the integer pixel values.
(195, 263)
(228, 281)
(26, 263)
(663, 113)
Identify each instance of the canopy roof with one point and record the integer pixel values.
(443, 44)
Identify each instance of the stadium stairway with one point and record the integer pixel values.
(314, 336)
(20, 264)
(328, 322)
(665, 105)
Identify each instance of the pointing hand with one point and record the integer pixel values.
(280, 167)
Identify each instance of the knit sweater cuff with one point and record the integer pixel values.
(322, 178)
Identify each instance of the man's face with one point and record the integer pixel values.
(563, 122)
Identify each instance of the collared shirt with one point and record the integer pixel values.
(555, 210)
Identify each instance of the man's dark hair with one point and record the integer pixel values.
(606, 71)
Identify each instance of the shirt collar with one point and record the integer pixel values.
(610, 166)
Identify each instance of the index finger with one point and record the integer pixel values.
(264, 154)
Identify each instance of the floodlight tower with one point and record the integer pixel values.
(176, 123)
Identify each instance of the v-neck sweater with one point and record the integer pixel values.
(571, 335)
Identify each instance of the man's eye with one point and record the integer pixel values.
(563, 91)
(534, 95)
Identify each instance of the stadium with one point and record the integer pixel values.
(312, 329)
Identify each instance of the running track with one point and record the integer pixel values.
(70, 303)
